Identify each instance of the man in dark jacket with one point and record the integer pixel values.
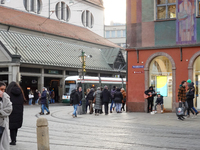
(105, 96)
(44, 101)
(112, 102)
(75, 101)
(118, 97)
(159, 101)
(151, 93)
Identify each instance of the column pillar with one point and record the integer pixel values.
(41, 80)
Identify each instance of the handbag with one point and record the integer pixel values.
(1, 131)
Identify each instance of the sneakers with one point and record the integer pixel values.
(48, 113)
(73, 115)
(188, 116)
(111, 111)
(153, 112)
(41, 113)
(161, 111)
(197, 113)
(13, 143)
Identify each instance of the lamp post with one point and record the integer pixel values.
(82, 58)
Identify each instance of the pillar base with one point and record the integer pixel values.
(135, 106)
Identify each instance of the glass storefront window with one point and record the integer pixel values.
(160, 77)
(196, 80)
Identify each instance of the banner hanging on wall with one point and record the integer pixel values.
(162, 85)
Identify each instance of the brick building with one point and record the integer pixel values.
(163, 46)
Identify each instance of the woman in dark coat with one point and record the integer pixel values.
(16, 117)
(118, 97)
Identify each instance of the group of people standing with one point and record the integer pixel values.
(100, 97)
(186, 96)
(11, 112)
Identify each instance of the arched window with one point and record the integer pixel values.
(87, 19)
(63, 11)
(160, 77)
(33, 6)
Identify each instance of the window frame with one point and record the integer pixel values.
(197, 8)
(166, 6)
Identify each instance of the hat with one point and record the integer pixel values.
(189, 81)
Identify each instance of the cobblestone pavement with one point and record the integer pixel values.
(134, 131)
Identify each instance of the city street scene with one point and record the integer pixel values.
(99, 74)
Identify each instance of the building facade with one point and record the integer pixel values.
(116, 33)
(85, 13)
(42, 55)
(163, 45)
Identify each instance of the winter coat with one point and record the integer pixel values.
(190, 95)
(112, 93)
(181, 94)
(105, 96)
(74, 98)
(44, 97)
(16, 117)
(90, 95)
(52, 94)
(118, 97)
(159, 100)
(80, 95)
(36, 96)
(5, 111)
(150, 91)
(98, 101)
(124, 96)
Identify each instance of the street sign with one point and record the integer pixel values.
(136, 67)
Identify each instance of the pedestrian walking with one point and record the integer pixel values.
(16, 117)
(30, 96)
(36, 96)
(150, 93)
(124, 99)
(106, 97)
(79, 107)
(98, 101)
(75, 101)
(118, 97)
(90, 98)
(5, 111)
(87, 103)
(112, 106)
(48, 97)
(193, 109)
(182, 97)
(44, 101)
(189, 98)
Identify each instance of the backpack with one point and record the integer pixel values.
(112, 93)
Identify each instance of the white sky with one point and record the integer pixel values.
(115, 10)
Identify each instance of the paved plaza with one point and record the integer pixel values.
(134, 131)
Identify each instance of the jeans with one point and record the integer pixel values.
(75, 109)
(44, 107)
(36, 102)
(118, 107)
(52, 100)
(112, 105)
(155, 108)
(194, 109)
(30, 101)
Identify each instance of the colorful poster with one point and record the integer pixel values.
(186, 22)
(162, 85)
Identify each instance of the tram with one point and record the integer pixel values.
(72, 82)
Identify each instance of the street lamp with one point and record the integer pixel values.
(82, 58)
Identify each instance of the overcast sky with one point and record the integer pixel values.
(115, 10)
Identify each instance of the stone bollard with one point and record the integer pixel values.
(42, 134)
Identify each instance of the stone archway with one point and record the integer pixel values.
(191, 64)
(146, 70)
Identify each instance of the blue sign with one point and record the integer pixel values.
(135, 67)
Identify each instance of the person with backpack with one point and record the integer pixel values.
(75, 101)
(112, 101)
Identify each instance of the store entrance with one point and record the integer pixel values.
(196, 80)
(52, 84)
(29, 84)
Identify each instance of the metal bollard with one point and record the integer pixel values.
(42, 134)
(84, 106)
